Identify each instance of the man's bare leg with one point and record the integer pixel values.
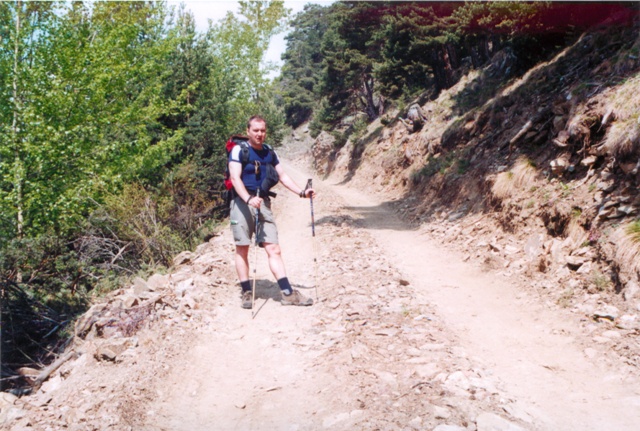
(290, 296)
(276, 264)
(242, 262)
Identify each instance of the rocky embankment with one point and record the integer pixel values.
(122, 346)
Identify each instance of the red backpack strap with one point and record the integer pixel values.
(235, 140)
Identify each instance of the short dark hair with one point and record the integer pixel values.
(255, 118)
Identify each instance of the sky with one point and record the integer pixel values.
(203, 10)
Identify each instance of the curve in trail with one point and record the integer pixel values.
(531, 348)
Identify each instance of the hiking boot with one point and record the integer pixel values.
(247, 299)
(296, 298)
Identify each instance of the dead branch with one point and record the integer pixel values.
(527, 126)
(44, 375)
(120, 253)
(609, 115)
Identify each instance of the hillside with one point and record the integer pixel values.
(536, 176)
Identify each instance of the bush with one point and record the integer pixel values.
(132, 220)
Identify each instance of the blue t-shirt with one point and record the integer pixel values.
(250, 178)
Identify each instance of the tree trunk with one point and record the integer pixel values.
(370, 107)
(18, 167)
(442, 70)
(447, 65)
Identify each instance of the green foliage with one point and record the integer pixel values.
(302, 71)
(133, 218)
(442, 165)
(49, 264)
(359, 128)
(350, 52)
(356, 54)
(463, 166)
(565, 190)
(238, 41)
(323, 118)
(412, 31)
(113, 118)
(339, 139)
(85, 107)
(433, 166)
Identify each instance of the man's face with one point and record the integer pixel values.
(257, 131)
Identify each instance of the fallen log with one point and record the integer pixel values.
(44, 374)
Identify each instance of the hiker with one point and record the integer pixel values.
(247, 178)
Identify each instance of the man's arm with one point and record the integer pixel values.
(235, 174)
(291, 185)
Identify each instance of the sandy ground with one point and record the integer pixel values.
(404, 335)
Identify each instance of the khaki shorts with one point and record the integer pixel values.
(243, 223)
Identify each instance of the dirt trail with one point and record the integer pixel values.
(405, 336)
(535, 350)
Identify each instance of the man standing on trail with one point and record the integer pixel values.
(247, 180)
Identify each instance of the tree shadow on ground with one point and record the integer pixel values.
(376, 217)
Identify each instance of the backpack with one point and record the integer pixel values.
(271, 177)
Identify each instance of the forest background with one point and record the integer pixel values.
(113, 117)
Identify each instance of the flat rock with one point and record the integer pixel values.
(157, 282)
(183, 258)
(447, 427)
(492, 422)
(427, 370)
(574, 262)
(585, 268)
(607, 312)
(518, 412)
(433, 346)
(590, 352)
(534, 245)
(459, 380)
(631, 291)
(386, 377)
(129, 301)
(140, 286)
(183, 286)
(331, 421)
(7, 399)
(111, 349)
(52, 384)
(441, 412)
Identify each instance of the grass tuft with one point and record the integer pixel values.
(519, 178)
(600, 281)
(623, 137)
(633, 230)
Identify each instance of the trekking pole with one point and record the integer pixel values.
(255, 260)
(313, 236)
